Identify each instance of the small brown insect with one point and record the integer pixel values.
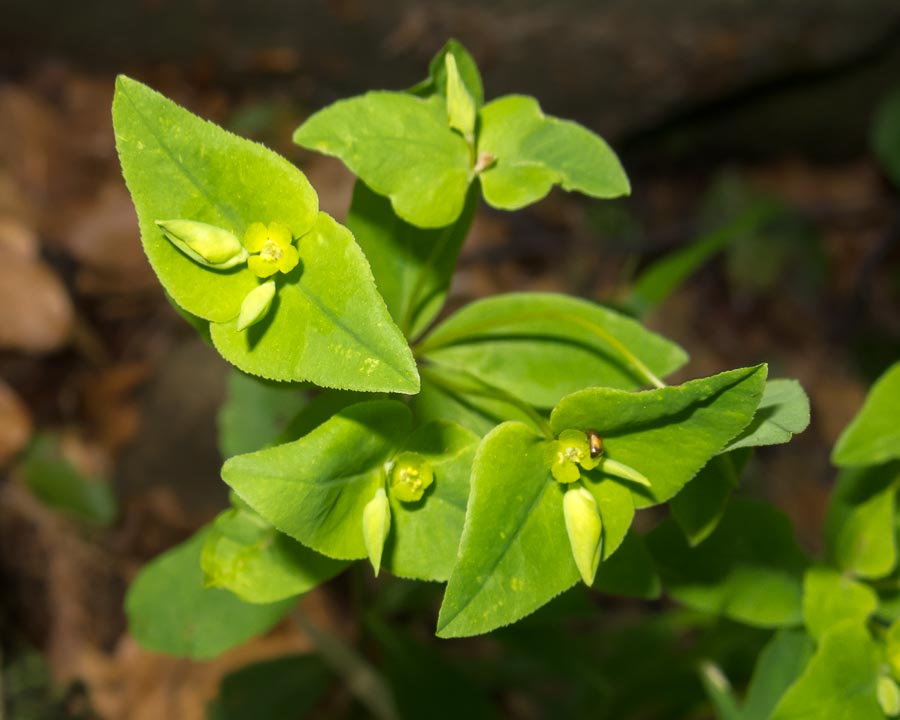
(596, 443)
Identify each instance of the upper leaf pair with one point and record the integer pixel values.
(327, 323)
(423, 150)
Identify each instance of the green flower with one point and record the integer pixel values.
(565, 455)
(273, 247)
(410, 477)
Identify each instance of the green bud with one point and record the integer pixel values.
(256, 305)
(621, 470)
(460, 105)
(206, 244)
(888, 696)
(411, 474)
(583, 526)
(376, 526)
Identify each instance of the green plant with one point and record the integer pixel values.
(504, 449)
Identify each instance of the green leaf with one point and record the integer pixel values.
(782, 413)
(542, 346)
(668, 434)
(455, 395)
(779, 665)
(839, 682)
(534, 152)
(436, 82)
(60, 485)
(177, 165)
(246, 555)
(329, 326)
(412, 267)
(315, 488)
(514, 554)
(255, 411)
(664, 276)
(425, 534)
(327, 323)
(829, 598)
(170, 611)
(699, 507)
(749, 569)
(285, 687)
(886, 135)
(400, 146)
(630, 572)
(874, 434)
(859, 526)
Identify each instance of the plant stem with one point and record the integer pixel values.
(362, 679)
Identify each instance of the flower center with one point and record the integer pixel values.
(270, 251)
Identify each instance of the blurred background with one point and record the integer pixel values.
(747, 129)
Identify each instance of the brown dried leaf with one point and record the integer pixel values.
(36, 314)
(15, 424)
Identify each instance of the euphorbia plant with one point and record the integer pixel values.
(503, 449)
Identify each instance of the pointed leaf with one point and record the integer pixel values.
(750, 569)
(246, 555)
(874, 435)
(514, 553)
(400, 146)
(782, 413)
(840, 681)
(778, 666)
(425, 535)
(177, 165)
(534, 152)
(255, 412)
(436, 82)
(669, 434)
(170, 610)
(699, 507)
(328, 326)
(316, 488)
(859, 526)
(829, 598)
(412, 267)
(542, 346)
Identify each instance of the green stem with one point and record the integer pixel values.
(599, 331)
(485, 390)
(361, 678)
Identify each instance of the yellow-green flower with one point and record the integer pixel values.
(273, 249)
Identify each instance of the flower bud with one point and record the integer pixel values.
(411, 474)
(621, 470)
(205, 244)
(376, 526)
(256, 305)
(888, 696)
(583, 526)
(460, 105)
